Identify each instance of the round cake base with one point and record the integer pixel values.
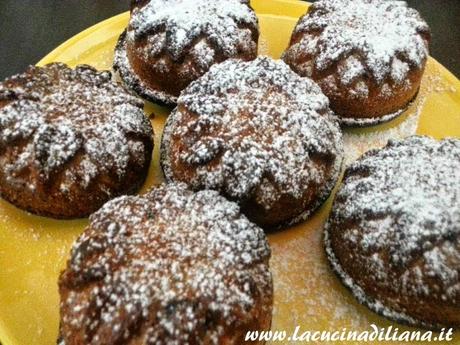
(122, 67)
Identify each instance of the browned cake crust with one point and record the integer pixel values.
(394, 237)
(70, 140)
(168, 44)
(169, 267)
(368, 56)
(259, 134)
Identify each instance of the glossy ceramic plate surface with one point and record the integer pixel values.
(33, 250)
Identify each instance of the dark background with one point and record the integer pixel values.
(29, 29)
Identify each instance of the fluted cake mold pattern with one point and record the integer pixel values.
(168, 267)
(361, 50)
(71, 136)
(183, 38)
(396, 218)
(255, 131)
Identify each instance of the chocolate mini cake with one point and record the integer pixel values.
(170, 43)
(168, 267)
(393, 236)
(259, 134)
(70, 140)
(368, 56)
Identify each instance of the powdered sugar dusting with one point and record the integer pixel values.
(52, 114)
(254, 129)
(356, 144)
(382, 37)
(180, 40)
(307, 294)
(189, 263)
(183, 21)
(405, 203)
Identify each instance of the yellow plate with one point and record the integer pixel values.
(33, 250)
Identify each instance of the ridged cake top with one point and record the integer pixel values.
(254, 128)
(179, 23)
(404, 202)
(168, 267)
(53, 115)
(386, 38)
